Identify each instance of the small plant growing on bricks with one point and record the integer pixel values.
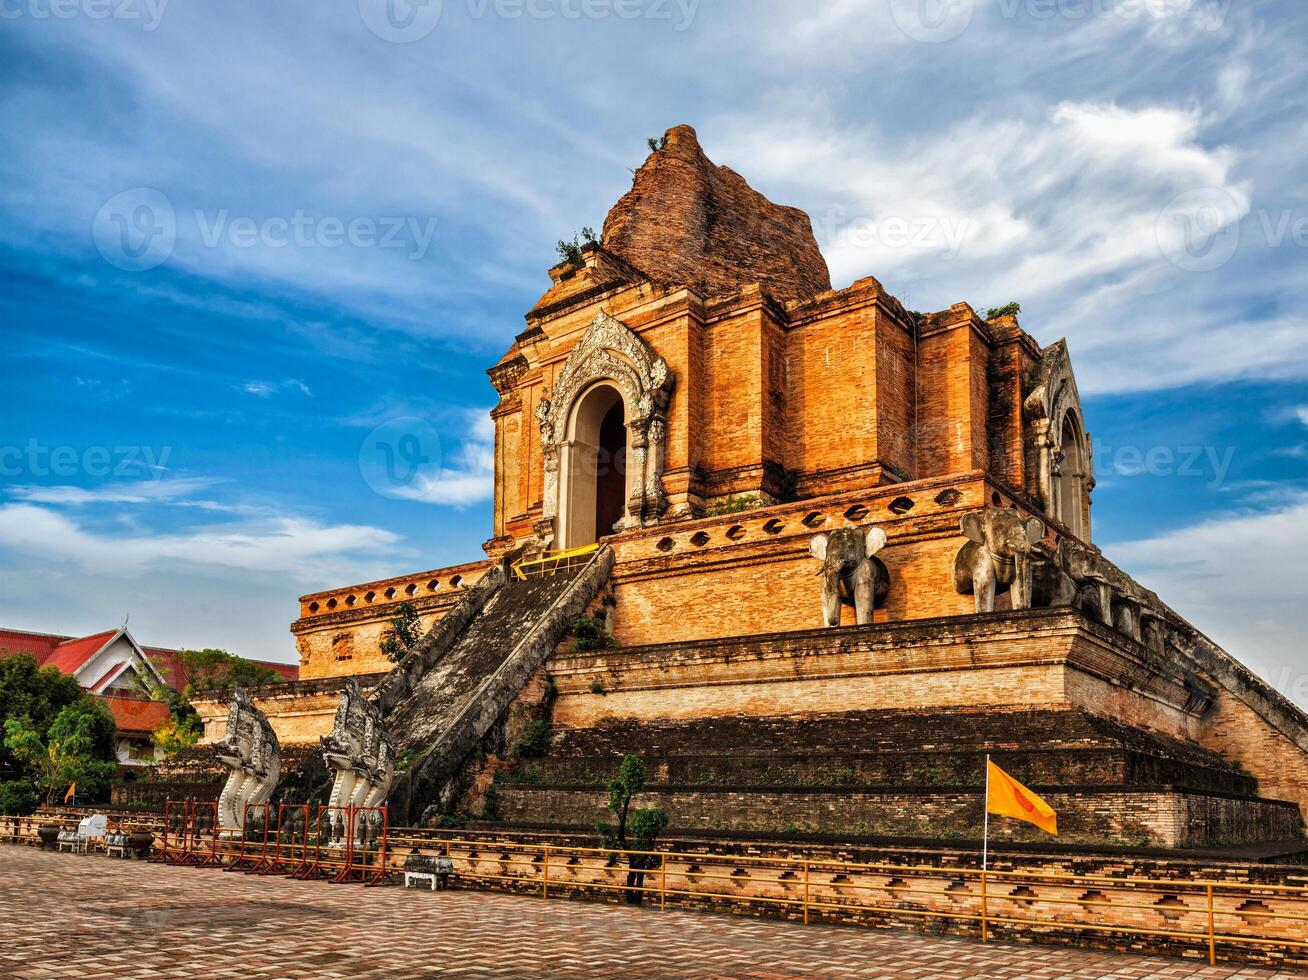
(534, 740)
(636, 830)
(403, 635)
(570, 252)
(591, 634)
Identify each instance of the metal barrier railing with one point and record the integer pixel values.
(176, 825)
(292, 854)
(554, 562)
(1220, 915)
(200, 847)
(1198, 915)
(350, 844)
(252, 851)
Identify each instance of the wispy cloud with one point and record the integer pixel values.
(296, 546)
(1227, 574)
(178, 490)
(266, 389)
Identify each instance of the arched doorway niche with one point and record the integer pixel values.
(593, 467)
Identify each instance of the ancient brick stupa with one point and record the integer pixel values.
(844, 552)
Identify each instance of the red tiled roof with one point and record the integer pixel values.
(71, 655)
(39, 645)
(133, 716)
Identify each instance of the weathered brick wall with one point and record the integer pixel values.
(1158, 817)
(1018, 660)
(752, 572)
(339, 633)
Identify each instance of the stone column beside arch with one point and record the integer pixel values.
(610, 352)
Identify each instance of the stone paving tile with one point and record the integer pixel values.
(64, 915)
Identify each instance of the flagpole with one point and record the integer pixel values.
(985, 859)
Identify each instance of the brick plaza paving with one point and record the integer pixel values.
(64, 915)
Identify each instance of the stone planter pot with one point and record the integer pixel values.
(140, 842)
(48, 834)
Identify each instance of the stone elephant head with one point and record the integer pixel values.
(997, 557)
(1091, 578)
(851, 573)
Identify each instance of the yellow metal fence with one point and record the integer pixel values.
(554, 562)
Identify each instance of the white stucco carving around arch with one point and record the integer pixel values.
(1064, 450)
(609, 352)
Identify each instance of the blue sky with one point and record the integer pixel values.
(344, 210)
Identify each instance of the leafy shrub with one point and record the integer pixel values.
(590, 634)
(570, 252)
(1009, 309)
(535, 739)
(18, 798)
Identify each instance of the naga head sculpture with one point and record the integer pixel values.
(342, 747)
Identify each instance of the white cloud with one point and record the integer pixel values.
(266, 389)
(295, 546)
(146, 492)
(1233, 577)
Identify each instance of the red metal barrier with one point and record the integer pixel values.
(177, 822)
(350, 844)
(202, 837)
(369, 829)
(253, 854)
(292, 853)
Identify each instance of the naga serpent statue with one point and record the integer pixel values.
(251, 751)
(362, 755)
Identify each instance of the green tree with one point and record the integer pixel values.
(18, 798)
(38, 694)
(209, 669)
(198, 670)
(644, 824)
(180, 731)
(66, 754)
(403, 635)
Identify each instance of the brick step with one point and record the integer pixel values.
(1158, 816)
(908, 767)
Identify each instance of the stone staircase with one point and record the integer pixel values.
(440, 702)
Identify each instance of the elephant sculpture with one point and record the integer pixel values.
(851, 572)
(997, 557)
(250, 750)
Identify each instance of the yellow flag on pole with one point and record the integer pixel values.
(1007, 797)
(72, 791)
